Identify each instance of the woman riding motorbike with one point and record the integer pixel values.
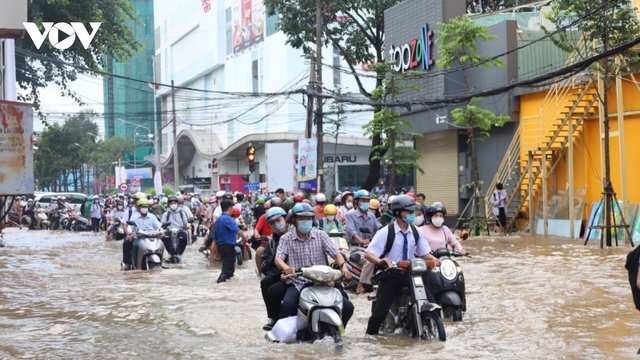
(439, 235)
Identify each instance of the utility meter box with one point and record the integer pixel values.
(12, 14)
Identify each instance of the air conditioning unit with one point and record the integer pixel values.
(13, 14)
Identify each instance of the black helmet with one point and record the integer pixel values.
(227, 196)
(276, 201)
(434, 208)
(240, 197)
(173, 198)
(402, 202)
(119, 202)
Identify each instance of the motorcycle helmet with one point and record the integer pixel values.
(276, 201)
(227, 196)
(411, 195)
(298, 198)
(267, 205)
(30, 201)
(261, 200)
(240, 196)
(302, 209)
(236, 212)
(143, 202)
(274, 214)
(37, 203)
(391, 199)
(220, 193)
(402, 202)
(164, 200)
(337, 201)
(119, 202)
(306, 201)
(330, 210)
(345, 195)
(362, 194)
(321, 199)
(64, 198)
(434, 208)
(374, 204)
(206, 200)
(173, 198)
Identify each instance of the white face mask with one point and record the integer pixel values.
(120, 207)
(437, 222)
(331, 217)
(418, 220)
(173, 207)
(144, 210)
(349, 205)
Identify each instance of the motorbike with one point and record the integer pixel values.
(239, 251)
(202, 229)
(446, 284)
(355, 260)
(41, 214)
(320, 306)
(79, 222)
(173, 234)
(65, 220)
(118, 229)
(411, 312)
(150, 247)
(2, 243)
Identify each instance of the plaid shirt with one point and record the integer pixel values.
(298, 253)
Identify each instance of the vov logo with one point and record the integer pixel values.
(53, 30)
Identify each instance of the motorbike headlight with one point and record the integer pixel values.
(418, 265)
(448, 269)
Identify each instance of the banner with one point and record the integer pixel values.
(257, 21)
(111, 181)
(140, 173)
(16, 148)
(248, 24)
(236, 20)
(280, 169)
(307, 155)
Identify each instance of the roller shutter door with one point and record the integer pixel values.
(439, 160)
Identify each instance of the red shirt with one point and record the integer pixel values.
(262, 227)
(319, 212)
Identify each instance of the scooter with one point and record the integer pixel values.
(202, 229)
(355, 260)
(320, 306)
(446, 284)
(41, 215)
(239, 251)
(174, 235)
(79, 222)
(411, 312)
(2, 243)
(118, 229)
(150, 248)
(65, 221)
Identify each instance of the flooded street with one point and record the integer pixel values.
(62, 295)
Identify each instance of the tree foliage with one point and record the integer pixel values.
(354, 27)
(388, 125)
(485, 6)
(457, 44)
(114, 39)
(66, 153)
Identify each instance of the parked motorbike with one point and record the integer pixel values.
(240, 248)
(412, 312)
(173, 234)
(79, 222)
(150, 247)
(320, 306)
(446, 284)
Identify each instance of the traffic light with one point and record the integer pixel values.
(251, 157)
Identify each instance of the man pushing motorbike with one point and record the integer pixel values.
(406, 242)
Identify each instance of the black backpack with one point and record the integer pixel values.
(632, 267)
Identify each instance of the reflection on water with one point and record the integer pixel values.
(63, 296)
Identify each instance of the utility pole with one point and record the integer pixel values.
(176, 166)
(312, 79)
(319, 130)
(156, 135)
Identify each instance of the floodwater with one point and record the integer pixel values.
(62, 295)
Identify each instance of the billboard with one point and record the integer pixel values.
(248, 25)
(307, 156)
(280, 166)
(140, 173)
(16, 148)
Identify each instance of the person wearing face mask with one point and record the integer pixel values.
(96, 215)
(302, 248)
(398, 241)
(117, 213)
(347, 205)
(420, 218)
(265, 263)
(356, 220)
(374, 208)
(387, 217)
(178, 219)
(439, 235)
(329, 222)
(143, 220)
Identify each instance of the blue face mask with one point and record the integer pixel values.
(364, 207)
(410, 218)
(304, 226)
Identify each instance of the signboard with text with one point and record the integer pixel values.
(307, 158)
(248, 25)
(16, 148)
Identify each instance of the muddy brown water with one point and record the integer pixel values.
(63, 296)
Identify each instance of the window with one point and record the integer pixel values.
(255, 75)
(352, 176)
(228, 27)
(336, 67)
(165, 143)
(272, 24)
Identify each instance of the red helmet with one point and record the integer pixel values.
(236, 212)
(306, 201)
(411, 195)
(298, 197)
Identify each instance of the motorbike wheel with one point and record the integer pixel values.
(239, 258)
(335, 334)
(432, 327)
(453, 312)
(64, 224)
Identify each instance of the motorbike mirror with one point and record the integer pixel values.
(130, 222)
(166, 224)
(404, 264)
(365, 230)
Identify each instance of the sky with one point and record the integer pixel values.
(57, 107)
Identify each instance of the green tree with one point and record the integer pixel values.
(335, 128)
(457, 44)
(485, 6)
(114, 39)
(354, 27)
(388, 125)
(613, 24)
(108, 152)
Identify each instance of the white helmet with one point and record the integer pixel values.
(391, 199)
(220, 193)
(321, 198)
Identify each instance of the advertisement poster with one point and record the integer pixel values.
(280, 166)
(597, 219)
(16, 148)
(236, 34)
(257, 20)
(140, 173)
(307, 156)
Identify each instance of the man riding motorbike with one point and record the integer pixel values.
(356, 220)
(143, 220)
(178, 219)
(302, 248)
(405, 246)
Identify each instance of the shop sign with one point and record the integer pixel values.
(340, 159)
(417, 53)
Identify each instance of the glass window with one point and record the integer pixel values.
(352, 176)
(272, 24)
(227, 17)
(255, 75)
